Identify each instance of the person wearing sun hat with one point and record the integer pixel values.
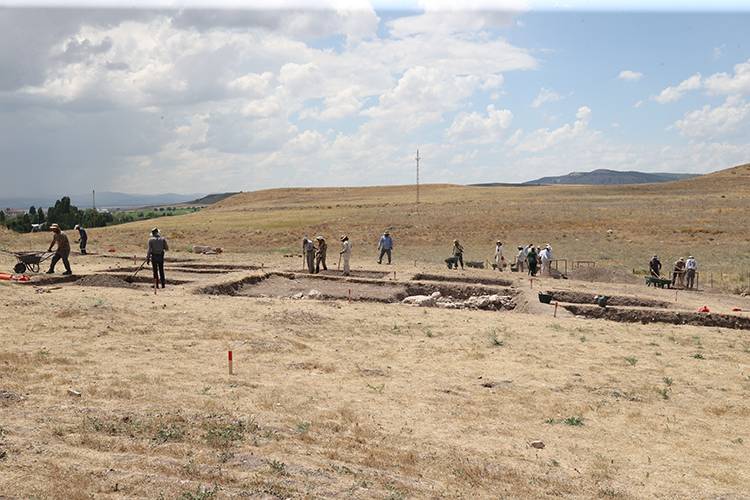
(62, 252)
(346, 252)
(157, 245)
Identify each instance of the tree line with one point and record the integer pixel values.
(63, 214)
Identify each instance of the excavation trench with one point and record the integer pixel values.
(656, 316)
(291, 285)
(122, 281)
(613, 300)
(334, 273)
(463, 279)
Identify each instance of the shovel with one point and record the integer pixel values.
(130, 279)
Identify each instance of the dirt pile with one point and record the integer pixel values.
(104, 280)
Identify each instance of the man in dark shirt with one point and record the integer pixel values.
(157, 245)
(83, 238)
(62, 252)
(654, 266)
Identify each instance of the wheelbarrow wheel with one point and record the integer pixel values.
(34, 268)
(19, 268)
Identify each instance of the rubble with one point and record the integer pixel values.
(492, 302)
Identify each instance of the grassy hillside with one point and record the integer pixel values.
(704, 216)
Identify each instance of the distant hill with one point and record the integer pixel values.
(211, 198)
(610, 177)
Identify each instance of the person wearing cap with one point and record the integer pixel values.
(62, 252)
(654, 265)
(308, 252)
(691, 266)
(499, 259)
(678, 272)
(458, 254)
(157, 245)
(346, 253)
(83, 238)
(320, 254)
(545, 256)
(385, 246)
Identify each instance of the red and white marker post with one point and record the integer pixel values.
(229, 360)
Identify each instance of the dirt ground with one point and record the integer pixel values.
(361, 399)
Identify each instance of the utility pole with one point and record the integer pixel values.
(417, 158)
(93, 198)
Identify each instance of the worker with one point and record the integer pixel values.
(691, 266)
(346, 253)
(385, 246)
(654, 266)
(308, 251)
(458, 254)
(320, 254)
(546, 257)
(499, 259)
(62, 252)
(678, 272)
(531, 259)
(157, 245)
(520, 259)
(83, 238)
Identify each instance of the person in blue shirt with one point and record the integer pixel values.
(385, 246)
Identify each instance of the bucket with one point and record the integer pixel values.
(545, 298)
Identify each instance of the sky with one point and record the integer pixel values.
(200, 100)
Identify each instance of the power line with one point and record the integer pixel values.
(417, 158)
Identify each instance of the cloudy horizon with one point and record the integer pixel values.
(150, 100)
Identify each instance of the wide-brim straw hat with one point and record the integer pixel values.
(344, 237)
(53, 227)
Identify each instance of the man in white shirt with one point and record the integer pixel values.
(546, 256)
(346, 253)
(691, 266)
(499, 260)
(520, 259)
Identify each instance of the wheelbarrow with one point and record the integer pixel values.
(29, 261)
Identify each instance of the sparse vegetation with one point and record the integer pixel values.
(631, 360)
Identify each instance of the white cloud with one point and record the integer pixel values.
(671, 94)
(714, 122)
(476, 128)
(544, 138)
(723, 83)
(629, 75)
(545, 96)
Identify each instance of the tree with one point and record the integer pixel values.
(40, 215)
(32, 215)
(2, 217)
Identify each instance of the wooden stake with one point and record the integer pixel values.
(350, 295)
(156, 285)
(229, 361)
(531, 283)
(555, 315)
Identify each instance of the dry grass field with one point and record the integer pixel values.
(365, 399)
